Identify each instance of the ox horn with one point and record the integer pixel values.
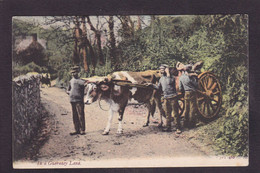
(86, 82)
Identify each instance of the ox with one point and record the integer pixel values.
(46, 79)
(118, 96)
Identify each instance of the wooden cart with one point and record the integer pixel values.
(209, 95)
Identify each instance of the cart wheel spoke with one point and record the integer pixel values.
(204, 107)
(208, 108)
(210, 82)
(201, 98)
(202, 85)
(179, 107)
(200, 92)
(216, 93)
(211, 105)
(205, 83)
(213, 86)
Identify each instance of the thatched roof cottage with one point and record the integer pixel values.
(30, 50)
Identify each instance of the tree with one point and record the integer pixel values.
(112, 43)
(84, 49)
(78, 42)
(98, 38)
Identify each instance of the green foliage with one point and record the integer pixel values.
(232, 138)
(221, 41)
(21, 28)
(30, 67)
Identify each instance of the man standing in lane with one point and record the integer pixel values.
(167, 85)
(76, 93)
(188, 85)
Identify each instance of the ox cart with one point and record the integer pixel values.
(209, 95)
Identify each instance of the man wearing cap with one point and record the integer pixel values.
(188, 85)
(76, 93)
(167, 85)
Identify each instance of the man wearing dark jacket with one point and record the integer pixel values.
(76, 93)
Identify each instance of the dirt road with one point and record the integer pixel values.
(136, 142)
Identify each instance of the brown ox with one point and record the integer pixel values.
(118, 96)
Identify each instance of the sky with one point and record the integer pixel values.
(41, 19)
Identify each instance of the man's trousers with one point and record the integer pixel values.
(78, 116)
(171, 108)
(190, 111)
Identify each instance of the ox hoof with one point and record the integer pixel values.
(105, 133)
(120, 132)
(146, 124)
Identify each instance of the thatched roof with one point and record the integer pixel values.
(30, 50)
(35, 46)
(27, 43)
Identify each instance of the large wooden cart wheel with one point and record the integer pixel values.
(209, 96)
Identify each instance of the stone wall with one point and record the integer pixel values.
(26, 104)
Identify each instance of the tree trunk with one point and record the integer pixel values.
(127, 33)
(75, 58)
(139, 25)
(100, 53)
(77, 35)
(88, 46)
(152, 25)
(131, 26)
(98, 38)
(84, 47)
(85, 62)
(112, 42)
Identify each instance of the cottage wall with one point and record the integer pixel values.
(26, 108)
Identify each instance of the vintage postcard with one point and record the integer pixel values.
(130, 91)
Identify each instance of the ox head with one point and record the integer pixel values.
(94, 90)
(90, 93)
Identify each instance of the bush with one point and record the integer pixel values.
(232, 138)
(31, 67)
